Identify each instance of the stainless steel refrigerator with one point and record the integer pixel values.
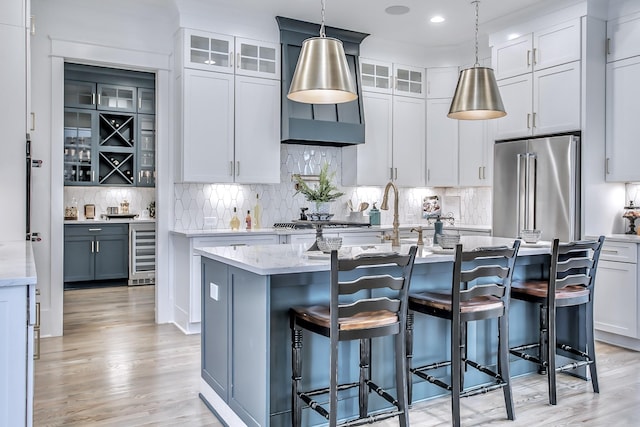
(536, 185)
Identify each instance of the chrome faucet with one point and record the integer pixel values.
(395, 237)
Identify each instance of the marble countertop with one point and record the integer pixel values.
(109, 221)
(284, 259)
(221, 232)
(17, 265)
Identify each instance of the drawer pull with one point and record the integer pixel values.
(610, 251)
(95, 229)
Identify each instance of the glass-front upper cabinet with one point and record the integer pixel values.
(146, 151)
(146, 101)
(208, 51)
(223, 53)
(409, 81)
(79, 129)
(257, 58)
(376, 76)
(116, 98)
(79, 94)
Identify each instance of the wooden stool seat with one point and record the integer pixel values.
(537, 289)
(441, 300)
(320, 315)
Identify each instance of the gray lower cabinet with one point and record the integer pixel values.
(96, 252)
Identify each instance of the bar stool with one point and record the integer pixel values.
(363, 317)
(479, 291)
(572, 274)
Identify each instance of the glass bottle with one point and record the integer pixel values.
(257, 213)
(235, 221)
(247, 220)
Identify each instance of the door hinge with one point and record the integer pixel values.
(35, 237)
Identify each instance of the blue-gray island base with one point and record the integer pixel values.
(246, 295)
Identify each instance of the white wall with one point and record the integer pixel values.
(135, 35)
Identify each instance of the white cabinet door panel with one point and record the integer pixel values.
(622, 110)
(513, 57)
(442, 145)
(441, 82)
(208, 127)
(409, 141)
(257, 130)
(557, 45)
(616, 298)
(517, 97)
(556, 99)
(623, 36)
(472, 164)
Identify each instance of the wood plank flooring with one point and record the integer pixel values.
(115, 367)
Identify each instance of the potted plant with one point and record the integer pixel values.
(321, 193)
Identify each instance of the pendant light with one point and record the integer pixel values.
(322, 74)
(477, 96)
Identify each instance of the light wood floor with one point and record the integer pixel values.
(115, 367)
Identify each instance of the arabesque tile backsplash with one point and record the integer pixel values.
(195, 202)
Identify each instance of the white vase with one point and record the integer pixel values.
(322, 207)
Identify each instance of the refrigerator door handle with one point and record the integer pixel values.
(521, 191)
(531, 191)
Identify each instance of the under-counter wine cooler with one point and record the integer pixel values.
(142, 250)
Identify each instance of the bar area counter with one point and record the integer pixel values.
(246, 295)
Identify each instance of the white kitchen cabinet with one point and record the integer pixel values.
(623, 37)
(227, 54)
(408, 81)
(370, 163)
(187, 273)
(230, 128)
(13, 12)
(408, 141)
(442, 145)
(542, 49)
(207, 126)
(475, 153)
(622, 111)
(394, 143)
(441, 82)
(543, 102)
(616, 290)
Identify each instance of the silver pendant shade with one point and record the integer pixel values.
(322, 74)
(477, 96)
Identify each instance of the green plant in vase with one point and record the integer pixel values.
(321, 193)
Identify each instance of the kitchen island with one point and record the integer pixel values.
(17, 311)
(246, 295)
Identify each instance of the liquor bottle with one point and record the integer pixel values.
(235, 222)
(247, 220)
(257, 213)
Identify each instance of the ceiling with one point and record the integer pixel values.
(369, 16)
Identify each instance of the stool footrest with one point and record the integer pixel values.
(314, 405)
(382, 393)
(483, 369)
(572, 350)
(370, 419)
(527, 357)
(325, 390)
(433, 380)
(573, 365)
(483, 389)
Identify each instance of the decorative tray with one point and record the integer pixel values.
(119, 216)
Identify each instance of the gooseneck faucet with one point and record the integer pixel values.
(395, 238)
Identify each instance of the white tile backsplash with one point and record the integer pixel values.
(195, 202)
(103, 197)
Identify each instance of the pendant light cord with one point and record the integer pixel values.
(322, 33)
(477, 2)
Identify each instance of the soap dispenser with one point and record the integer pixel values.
(374, 215)
(437, 229)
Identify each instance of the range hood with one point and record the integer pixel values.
(314, 124)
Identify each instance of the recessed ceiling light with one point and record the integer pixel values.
(397, 10)
(437, 19)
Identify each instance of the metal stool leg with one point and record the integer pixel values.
(296, 377)
(503, 364)
(591, 348)
(409, 351)
(365, 376)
